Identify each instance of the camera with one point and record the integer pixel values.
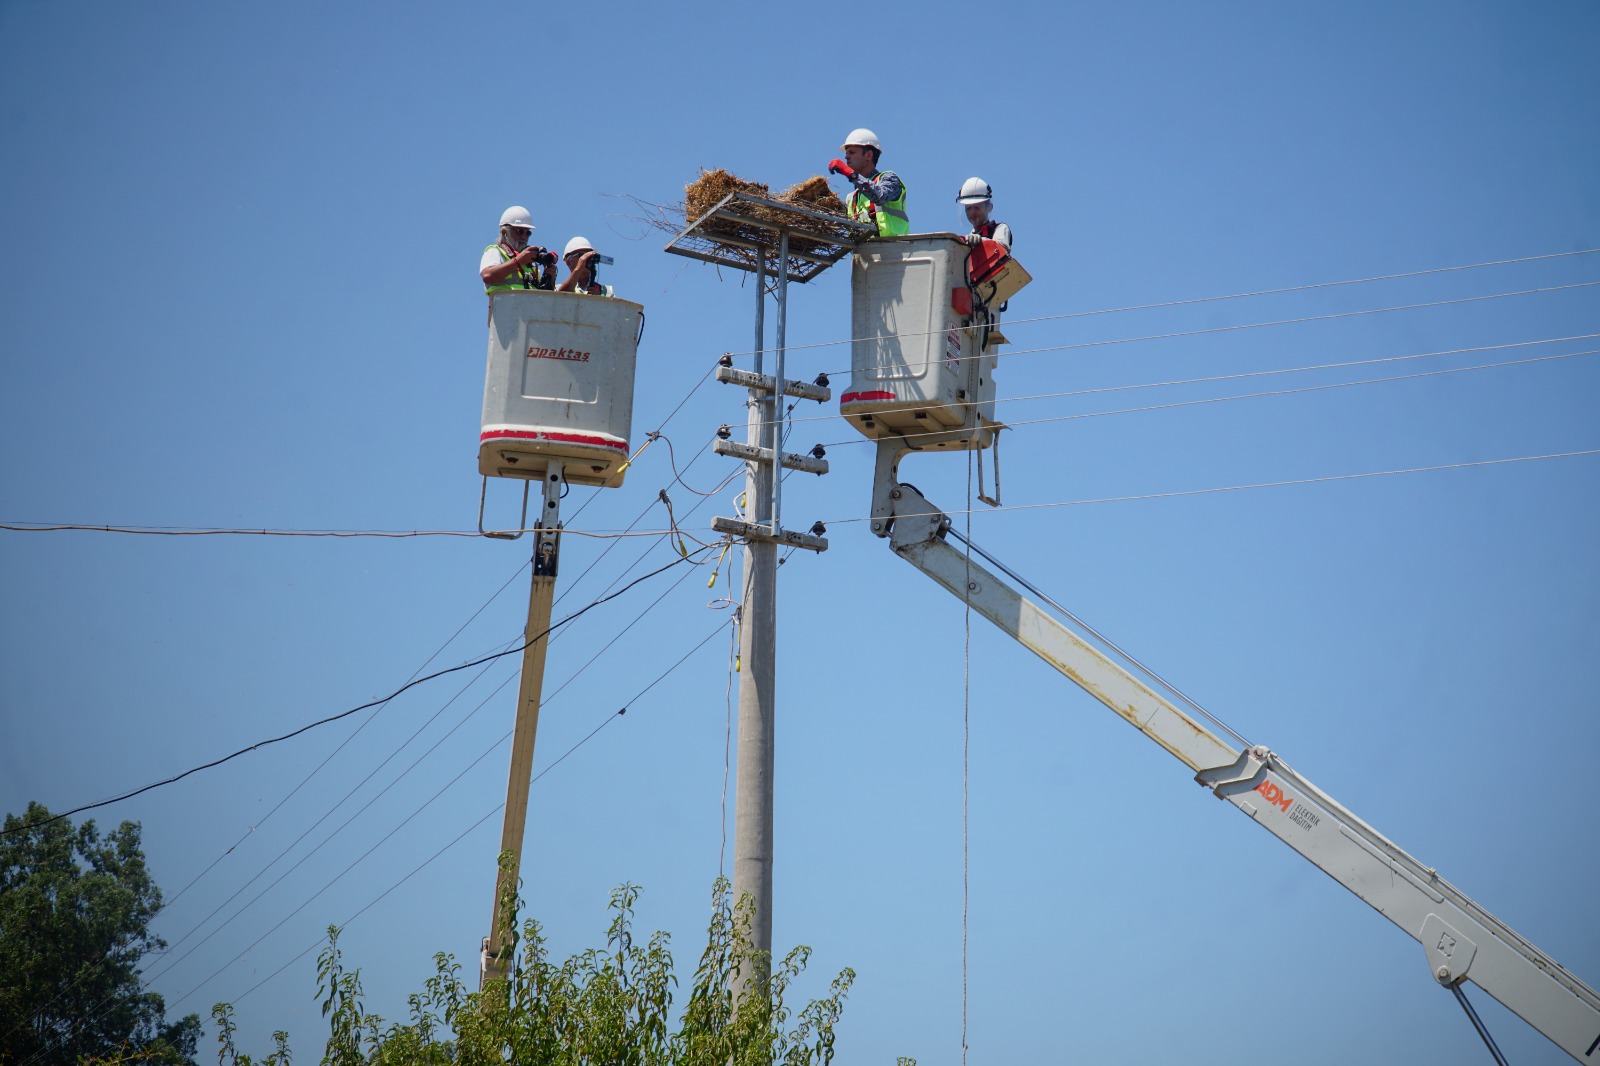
(544, 257)
(596, 261)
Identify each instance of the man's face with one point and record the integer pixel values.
(517, 238)
(978, 214)
(574, 257)
(859, 157)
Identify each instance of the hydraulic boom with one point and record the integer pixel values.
(1461, 940)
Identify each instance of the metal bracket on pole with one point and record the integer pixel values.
(521, 526)
(549, 524)
(791, 460)
(760, 531)
(803, 390)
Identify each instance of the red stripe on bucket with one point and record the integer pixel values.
(555, 438)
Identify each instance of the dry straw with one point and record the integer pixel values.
(712, 186)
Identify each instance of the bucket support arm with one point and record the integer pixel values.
(541, 600)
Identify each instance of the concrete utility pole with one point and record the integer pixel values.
(758, 636)
(747, 232)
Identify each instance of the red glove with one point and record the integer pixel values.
(839, 166)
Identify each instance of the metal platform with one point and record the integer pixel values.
(746, 232)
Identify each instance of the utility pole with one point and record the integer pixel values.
(749, 232)
(758, 646)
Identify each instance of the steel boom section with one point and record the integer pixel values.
(1460, 938)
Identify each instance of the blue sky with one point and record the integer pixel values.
(240, 245)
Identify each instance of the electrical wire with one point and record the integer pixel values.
(1127, 657)
(547, 700)
(486, 816)
(173, 963)
(497, 744)
(344, 714)
(1203, 299)
(1242, 488)
(1243, 374)
(208, 531)
(1256, 325)
(1246, 396)
(167, 903)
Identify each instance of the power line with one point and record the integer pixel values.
(1251, 395)
(167, 903)
(1206, 299)
(1245, 374)
(1241, 488)
(345, 714)
(345, 743)
(615, 638)
(1262, 325)
(329, 838)
(620, 712)
(502, 739)
(173, 963)
(211, 531)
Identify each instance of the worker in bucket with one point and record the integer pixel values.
(584, 263)
(513, 263)
(978, 198)
(879, 196)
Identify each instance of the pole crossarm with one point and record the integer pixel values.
(801, 390)
(791, 460)
(753, 531)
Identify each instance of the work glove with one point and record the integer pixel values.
(974, 239)
(843, 169)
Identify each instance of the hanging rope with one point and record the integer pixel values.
(966, 752)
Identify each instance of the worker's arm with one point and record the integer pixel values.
(493, 271)
(1002, 234)
(882, 188)
(581, 271)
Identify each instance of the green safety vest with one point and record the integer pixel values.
(524, 278)
(890, 217)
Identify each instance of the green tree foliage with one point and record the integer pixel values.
(75, 913)
(609, 1005)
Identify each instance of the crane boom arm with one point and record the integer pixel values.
(1461, 940)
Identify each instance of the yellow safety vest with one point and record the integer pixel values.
(525, 276)
(891, 217)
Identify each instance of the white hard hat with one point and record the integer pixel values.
(577, 244)
(974, 191)
(518, 217)
(864, 137)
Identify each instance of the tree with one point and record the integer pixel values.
(75, 913)
(610, 1004)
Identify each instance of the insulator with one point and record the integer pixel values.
(822, 381)
(726, 360)
(818, 529)
(818, 452)
(724, 432)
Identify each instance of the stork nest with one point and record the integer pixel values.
(709, 189)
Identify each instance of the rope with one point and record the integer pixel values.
(966, 755)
